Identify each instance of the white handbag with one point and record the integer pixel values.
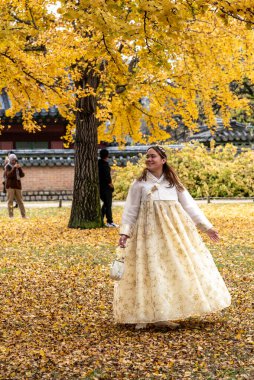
(117, 267)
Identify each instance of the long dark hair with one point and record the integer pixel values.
(168, 171)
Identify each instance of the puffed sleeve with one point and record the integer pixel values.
(192, 209)
(131, 208)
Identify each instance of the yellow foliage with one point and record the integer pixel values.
(178, 54)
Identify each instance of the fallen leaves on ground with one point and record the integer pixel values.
(56, 306)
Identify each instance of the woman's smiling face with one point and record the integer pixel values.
(154, 162)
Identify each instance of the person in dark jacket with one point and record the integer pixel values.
(13, 174)
(6, 161)
(106, 187)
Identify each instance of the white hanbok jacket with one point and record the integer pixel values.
(158, 190)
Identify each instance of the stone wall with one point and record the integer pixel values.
(48, 178)
(46, 183)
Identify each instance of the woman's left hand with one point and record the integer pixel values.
(213, 235)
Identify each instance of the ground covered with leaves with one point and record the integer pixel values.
(56, 306)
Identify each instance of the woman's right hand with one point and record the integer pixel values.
(213, 235)
(122, 241)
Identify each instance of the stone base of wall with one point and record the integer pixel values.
(43, 195)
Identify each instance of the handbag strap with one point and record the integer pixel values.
(120, 254)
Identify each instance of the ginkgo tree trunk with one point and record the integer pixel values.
(86, 211)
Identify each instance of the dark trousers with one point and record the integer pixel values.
(106, 197)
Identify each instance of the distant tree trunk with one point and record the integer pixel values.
(86, 211)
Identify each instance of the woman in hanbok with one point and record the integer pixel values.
(169, 273)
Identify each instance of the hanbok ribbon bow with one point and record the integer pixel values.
(149, 195)
(153, 189)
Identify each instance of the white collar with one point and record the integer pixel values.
(152, 177)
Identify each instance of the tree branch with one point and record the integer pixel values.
(145, 31)
(19, 19)
(32, 17)
(236, 17)
(38, 81)
(109, 52)
(144, 112)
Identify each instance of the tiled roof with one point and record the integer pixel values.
(65, 157)
(52, 112)
(237, 133)
(5, 103)
(42, 157)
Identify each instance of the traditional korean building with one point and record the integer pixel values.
(53, 127)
